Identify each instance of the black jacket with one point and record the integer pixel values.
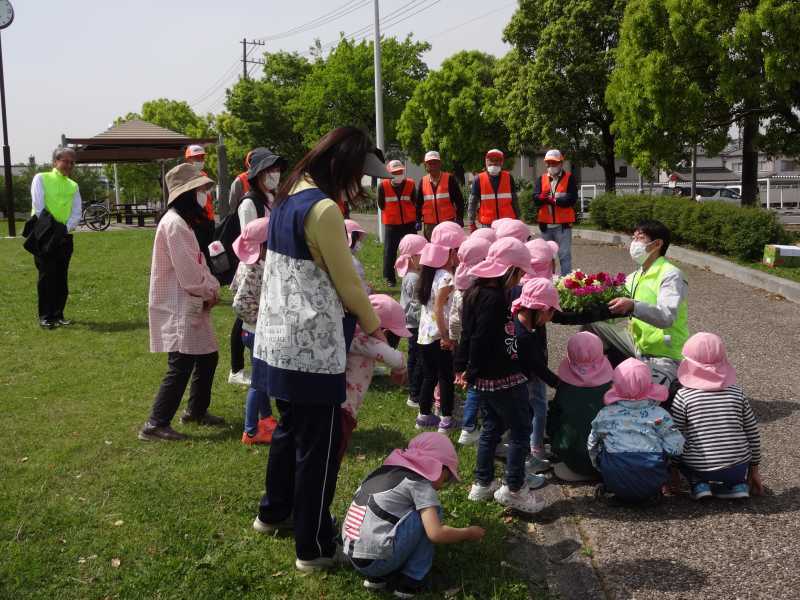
(46, 235)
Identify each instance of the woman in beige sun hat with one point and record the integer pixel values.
(182, 293)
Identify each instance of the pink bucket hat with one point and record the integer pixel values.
(513, 228)
(585, 366)
(411, 245)
(633, 381)
(542, 255)
(434, 255)
(503, 254)
(537, 294)
(448, 234)
(705, 364)
(486, 233)
(499, 223)
(426, 455)
(390, 313)
(352, 227)
(248, 245)
(471, 252)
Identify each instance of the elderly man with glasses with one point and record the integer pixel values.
(56, 203)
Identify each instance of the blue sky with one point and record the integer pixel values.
(73, 67)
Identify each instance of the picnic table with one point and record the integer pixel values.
(139, 211)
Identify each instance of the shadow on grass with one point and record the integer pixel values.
(376, 441)
(111, 327)
(768, 411)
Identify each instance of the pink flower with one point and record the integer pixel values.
(620, 279)
(603, 277)
(581, 292)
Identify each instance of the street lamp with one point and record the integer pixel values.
(6, 17)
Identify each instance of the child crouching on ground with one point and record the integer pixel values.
(471, 252)
(395, 517)
(365, 351)
(407, 267)
(259, 424)
(585, 376)
(632, 438)
(488, 364)
(723, 448)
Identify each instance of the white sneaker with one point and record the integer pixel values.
(469, 438)
(481, 493)
(535, 464)
(411, 402)
(524, 500)
(323, 563)
(239, 378)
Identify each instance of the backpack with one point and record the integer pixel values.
(226, 233)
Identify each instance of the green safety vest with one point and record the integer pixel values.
(651, 340)
(59, 191)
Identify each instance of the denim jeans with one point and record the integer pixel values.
(257, 403)
(563, 237)
(412, 552)
(471, 407)
(728, 477)
(537, 398)
(504, 410)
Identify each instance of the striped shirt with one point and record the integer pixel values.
(720, 428)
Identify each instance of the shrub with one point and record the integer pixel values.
(713, 226)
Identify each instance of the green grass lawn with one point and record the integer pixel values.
(88, 511)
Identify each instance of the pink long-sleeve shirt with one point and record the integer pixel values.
(180, 282)
(364, 351)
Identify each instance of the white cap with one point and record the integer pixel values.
(395, 167)
(554, 156)
(194, 150)
(432, 155)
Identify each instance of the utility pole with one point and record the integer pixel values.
(379, 141)
(7, 175)
(223, 187)
(246, 61)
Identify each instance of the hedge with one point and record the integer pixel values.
(711, 226)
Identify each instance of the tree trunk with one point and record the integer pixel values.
(749, 161)
(609, 162)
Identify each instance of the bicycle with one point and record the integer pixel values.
(96, 216)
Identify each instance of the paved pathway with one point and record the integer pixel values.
(682, 549)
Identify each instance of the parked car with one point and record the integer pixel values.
(704, 193)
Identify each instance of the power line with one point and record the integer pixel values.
(472, 20)
(337, 13)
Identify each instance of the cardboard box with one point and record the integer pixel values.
(776, 255)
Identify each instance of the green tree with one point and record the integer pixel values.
(556, 77)
(340, 90)
(689, 69)
(456, 110)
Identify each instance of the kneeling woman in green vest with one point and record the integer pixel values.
(657, 308)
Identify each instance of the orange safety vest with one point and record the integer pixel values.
(552, 214)
(398, 211)
(437, 207)
(245, 182)
(495, 205)
(209, 207)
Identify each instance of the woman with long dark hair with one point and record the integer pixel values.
(311, 299)
(182, 292)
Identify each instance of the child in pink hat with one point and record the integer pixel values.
(471, 252)
(395, 517)
(259, 424)
(512, 228)
(486, 233)
(723, 448)
(585, 375)
(536, 305)
(543, 258)
(487, 364)
(632, 438)
(365, 350)
(355, 241)
(439, 259)
(407, 267)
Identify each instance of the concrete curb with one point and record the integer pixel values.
(770, 283)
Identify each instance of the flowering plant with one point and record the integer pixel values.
(578, 291)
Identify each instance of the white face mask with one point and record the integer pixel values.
(270, 180)
(493, 169)
(638, 251)
(554, 171)
(201, 199)
(200, 165)
(398, 179)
